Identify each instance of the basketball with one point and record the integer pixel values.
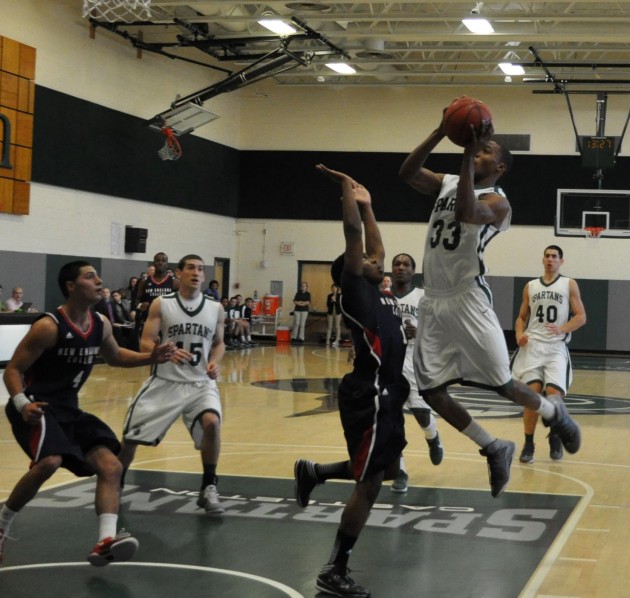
(460, 115)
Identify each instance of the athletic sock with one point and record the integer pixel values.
(529, 439)
(430, 432)
(547, 409)
(209, 475)
(107, 525)
(333, 471)
(478, 435)
(6, 518)
(338, 560)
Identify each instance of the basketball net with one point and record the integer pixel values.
(171, 150)
(117, 10)
(593, 233)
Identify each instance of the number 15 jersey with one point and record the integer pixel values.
(453, 251)
(192, 330)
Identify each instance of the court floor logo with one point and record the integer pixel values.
(479, 402)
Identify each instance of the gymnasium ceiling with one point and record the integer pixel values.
(573, 45)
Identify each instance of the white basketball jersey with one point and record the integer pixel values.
(189, 330)
(548, 304)
(408, 309)
(453, 251)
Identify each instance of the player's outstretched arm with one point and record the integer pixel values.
(352, 194)
(152, 352)
(413, 171)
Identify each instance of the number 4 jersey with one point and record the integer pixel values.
(192, 330)
(58, 374)
(453, 252)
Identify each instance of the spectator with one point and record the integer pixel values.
(132, 289)
(213, 290)
(333, 315)
(15, 303)
(302, 302)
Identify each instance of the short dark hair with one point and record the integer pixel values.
(190, 256)
(413, 262)
(336, 269)
(557, 248)
(69, 273)
(506, 157)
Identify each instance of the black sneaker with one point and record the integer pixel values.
(340, 585)
(305, 481)
(564, 427)
(436, 452)
(499, 455)
(527, 454)
(399, 485)
(555, 446)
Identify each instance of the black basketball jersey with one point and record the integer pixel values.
(59, 373)
(153, 289)
(377, 330)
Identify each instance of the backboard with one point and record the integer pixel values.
(577, 209)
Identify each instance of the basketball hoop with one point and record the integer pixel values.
(117, 10)
(171, 150)
(593, 232)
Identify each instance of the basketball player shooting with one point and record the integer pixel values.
(459, 338)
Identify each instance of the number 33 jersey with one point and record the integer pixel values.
(191, 330)
(453, 251)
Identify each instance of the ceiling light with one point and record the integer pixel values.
(478, 25)
(277, 26)
(511, 69)
(343, 68)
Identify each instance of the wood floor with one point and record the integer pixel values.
(269, 424)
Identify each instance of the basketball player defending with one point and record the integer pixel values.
(371, 396)
(551, 310)
(459, 337)
(186, 385)
(44, 378)
(408, 297)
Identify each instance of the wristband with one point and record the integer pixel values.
(20, 400)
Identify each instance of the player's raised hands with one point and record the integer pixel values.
(359, 193)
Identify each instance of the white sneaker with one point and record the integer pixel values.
(209, 501)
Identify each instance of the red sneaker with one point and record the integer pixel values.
(118, 549)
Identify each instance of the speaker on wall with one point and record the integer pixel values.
(136, 239)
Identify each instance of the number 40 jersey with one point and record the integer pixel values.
(192, 330)
(453, 252)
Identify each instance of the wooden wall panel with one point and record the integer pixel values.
(17, 103)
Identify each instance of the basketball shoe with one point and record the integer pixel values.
(436, 452)
(110, 550)
(305, 481)
(340, 584)
(564, 427)
(499, 455)
(209, 501)
(527, 454)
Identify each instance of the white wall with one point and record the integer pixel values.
(68, 222)
(515, 253)
(396, 120)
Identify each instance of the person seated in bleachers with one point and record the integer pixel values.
(213, 290)
(15, 304)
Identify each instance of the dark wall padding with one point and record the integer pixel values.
(84, 146)
(286, 185)
(81, 145)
